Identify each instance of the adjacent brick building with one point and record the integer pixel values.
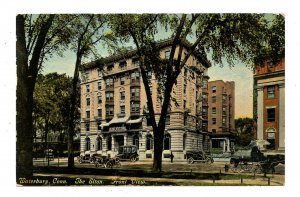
(221, 99)
(269, 101)
(114, 109)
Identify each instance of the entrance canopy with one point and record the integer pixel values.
(117, 120)
(139, 120)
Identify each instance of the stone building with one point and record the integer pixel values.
(114, 109)
(221, 111)
(269, 101)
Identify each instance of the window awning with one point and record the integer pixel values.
(139, 120)
(104, 125)
(117, 120)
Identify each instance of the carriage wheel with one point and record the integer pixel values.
(190, 160)
(108, 165)
(118, 164)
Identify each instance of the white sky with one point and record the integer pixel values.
(9, 9)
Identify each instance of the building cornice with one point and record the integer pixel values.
(132, 53)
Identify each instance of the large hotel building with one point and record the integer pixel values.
(114, 107)
(269, 105)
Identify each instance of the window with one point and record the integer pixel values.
(271, 92)
(99, 112)
(99, 85)
(184, 104)
(204, 111)
(87, 144)
(214, 89)
(214, 110)
(167, 54)
(122, 109)
(87, 114)
(87, 88)
(110, 110)
(85, 76)
(136, 141)
(204, 84)
(122, 80)
(271, 138)
(99, 143)
(135, 107)
(109, 82)
(123, 65)
(214, 131)
(213, 99)
(88, 101)
(136, 62)
(214, 121)
(224, 110)
(185, 73)
(99, 99)
(110, 67)
(122, 95)
(99, 125)
(271, 114)
(167, 142)
(184, 141)
(135, 92)
(109, 96)
(149, 142)
(223, 120)
(185, 119)
(87, 126)
(184, 87)
(108, 143)
(135, 77)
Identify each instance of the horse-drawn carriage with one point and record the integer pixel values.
(251, 159)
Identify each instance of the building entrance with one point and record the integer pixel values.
(119, 141)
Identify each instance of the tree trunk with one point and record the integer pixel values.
(71, 125)
(159, 133)
(158, 149)
(26, 77)
(24, 107)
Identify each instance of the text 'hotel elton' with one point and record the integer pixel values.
(114, 107)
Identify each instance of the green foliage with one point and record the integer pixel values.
(51, 102)
(244, 131)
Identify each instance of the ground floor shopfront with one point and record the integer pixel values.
(176, 141)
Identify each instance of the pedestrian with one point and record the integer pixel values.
(172, 157)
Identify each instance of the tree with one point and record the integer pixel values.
(38, 38)
(225, 37)
(87, 31)
(27, 70)
(244, 131)
(51, 103)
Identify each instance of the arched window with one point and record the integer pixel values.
(271, 136)
(136, 141)
(149, 142)
(167, 142)
(108, 143)
(184, 141)
(87, 144)
(99, 143)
